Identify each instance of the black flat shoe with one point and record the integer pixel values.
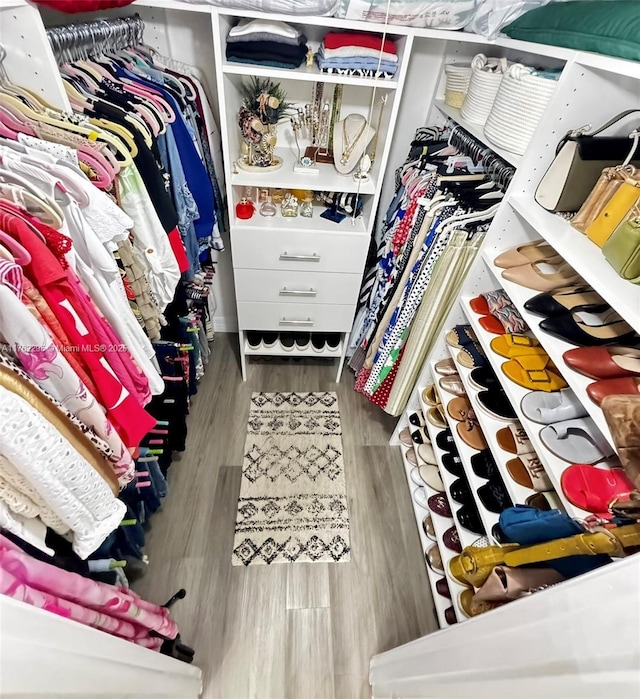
(417, 420)
(498, 534)
(612, 330)
(453, 464)
(420, 436)
(493, 495)
(445, 441)
(484, 377)
(461, 492)
(483, 465)
(565, 300)
(496, 404)
(470, 519)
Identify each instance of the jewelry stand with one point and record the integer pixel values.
(304, 164)
(351, 137)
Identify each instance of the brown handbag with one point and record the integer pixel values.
(506, 584)
(622, 414)
(606, 187)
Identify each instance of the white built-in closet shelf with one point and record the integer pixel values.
(328, 179)
(301, 224)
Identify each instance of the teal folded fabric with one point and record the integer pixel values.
(610, 27)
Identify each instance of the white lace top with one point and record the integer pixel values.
(73, 490)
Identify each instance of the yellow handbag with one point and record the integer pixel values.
(620, 206)
(610, 181)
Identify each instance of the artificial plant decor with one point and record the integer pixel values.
(263, 106)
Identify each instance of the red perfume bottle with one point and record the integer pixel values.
(245, 208)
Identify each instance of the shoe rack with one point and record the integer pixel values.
(520, 221)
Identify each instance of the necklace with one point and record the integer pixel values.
(347, 148)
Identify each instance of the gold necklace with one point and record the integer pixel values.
(347, 148)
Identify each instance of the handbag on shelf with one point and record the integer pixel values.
(606, 186)
(506, 584)
(620, 207)
(622, 414)
(622, 250)
(579, 162)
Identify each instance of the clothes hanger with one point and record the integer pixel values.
(20, 254)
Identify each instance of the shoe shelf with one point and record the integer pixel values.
(312, 74)
(584, 256)
(553, 465)
(279, 351)
(466, 452)
(477, 131)
(490, 426)
(440, 524)
(553, 346)
(467, 537)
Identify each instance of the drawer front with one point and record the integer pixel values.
(294, 250)
(294, 317)
(290, 286)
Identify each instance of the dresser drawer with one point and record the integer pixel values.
(294, 317)
(298, 250)
(291, 286)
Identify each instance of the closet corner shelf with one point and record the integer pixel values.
(553, 465)
(490, 426)
(466, 452)
(553, 346)
(300, 224)
(477, 131)
(327, 180)
(278, 351)
(467, 537)
(176, 5)
(303, 73)
(443, 523)
(584, 256)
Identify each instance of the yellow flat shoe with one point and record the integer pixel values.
(516, 346)
(536, 373)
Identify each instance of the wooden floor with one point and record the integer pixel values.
(287, 631)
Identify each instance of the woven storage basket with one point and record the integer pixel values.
(486, 76)
(457, 85)
(519, 105)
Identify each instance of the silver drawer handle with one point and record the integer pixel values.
(285, 321)
(297, 292)
(286, 257)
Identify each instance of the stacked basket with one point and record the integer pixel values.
(486, 76)
(457, 85)
(518, 107)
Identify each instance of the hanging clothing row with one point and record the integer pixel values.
(447, 193)
(108, 216)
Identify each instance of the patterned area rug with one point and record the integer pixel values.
(293, 501)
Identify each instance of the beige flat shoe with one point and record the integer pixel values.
(538, 251)
(532, 276)
(430, 396)
(445, 367)
(405, 437)
(452, 384)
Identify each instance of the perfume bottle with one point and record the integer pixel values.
(245, 208)
(267, 208)
(306, 208)
(289, 207)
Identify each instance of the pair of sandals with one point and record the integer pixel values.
(497, 313)
(529, 365)
(463, 338)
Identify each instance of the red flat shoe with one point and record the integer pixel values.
(492, 325)
(593, 489)
(604, 362)
(613, 387)
(480, 306)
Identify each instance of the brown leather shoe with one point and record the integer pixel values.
(622, 414)
(434, 559)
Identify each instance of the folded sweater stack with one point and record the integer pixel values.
(362, 54)
(266, 43)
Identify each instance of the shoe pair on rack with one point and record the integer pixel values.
(463, 337)
(580, 316)
(616, 370)
(301, 341)
(497, 313)
(529, 365)
(435, 411)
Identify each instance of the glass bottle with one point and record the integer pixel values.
(289, 207)
(267, 208)
(306, 208)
